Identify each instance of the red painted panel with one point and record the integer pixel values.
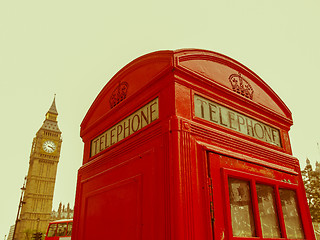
(218, 68)
(221, 73)
(121, 205)
(137, 75)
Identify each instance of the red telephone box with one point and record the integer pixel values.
(189, 144)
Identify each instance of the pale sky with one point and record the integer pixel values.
(73, 47)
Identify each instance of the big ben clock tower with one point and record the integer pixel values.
(44, 157)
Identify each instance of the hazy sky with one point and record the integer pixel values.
(72, 48)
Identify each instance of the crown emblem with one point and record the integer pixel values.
(240, 85)
(119, 94)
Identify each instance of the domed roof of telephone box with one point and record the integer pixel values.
(209, 66)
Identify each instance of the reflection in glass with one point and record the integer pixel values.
(291, 214)
(52, 230)
(267, 210)
(62, 229)
(241, 208)
(69, 231)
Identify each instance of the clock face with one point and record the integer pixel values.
(49, 146)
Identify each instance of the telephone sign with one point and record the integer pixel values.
(231, 119)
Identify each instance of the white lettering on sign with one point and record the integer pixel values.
(226, 117)
(136, 121)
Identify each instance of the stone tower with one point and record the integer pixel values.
(44, 157)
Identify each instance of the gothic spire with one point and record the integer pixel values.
(50, 123)
(53, 108)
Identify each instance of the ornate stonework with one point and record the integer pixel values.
(37, 201)
(240, 85)
(119, 94)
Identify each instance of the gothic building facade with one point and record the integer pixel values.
(36, 206)
(63, 212)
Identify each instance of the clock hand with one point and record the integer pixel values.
(50, 147)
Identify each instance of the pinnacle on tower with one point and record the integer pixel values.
(50, 123)
(317, 167)
(53, 108)
(308, 162)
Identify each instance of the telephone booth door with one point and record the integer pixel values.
(250, 201)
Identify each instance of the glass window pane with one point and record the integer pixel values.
(62, 229)
(291, 214)
(268, 211)
(241, 208)
(69, 231)
(52, 230)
